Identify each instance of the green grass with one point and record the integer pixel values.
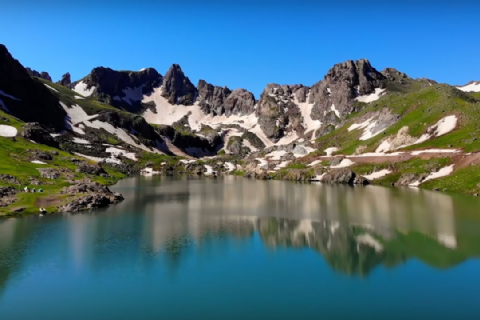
(16, 161)
(418, 110)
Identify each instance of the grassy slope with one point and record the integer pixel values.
(16, 161)
(419, 110)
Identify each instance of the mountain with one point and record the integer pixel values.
(356, 125)
(25, 97)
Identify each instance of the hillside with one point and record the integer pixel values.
(357, 125)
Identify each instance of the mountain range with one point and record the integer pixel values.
(355, 125)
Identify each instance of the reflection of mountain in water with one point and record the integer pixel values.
(162, 221)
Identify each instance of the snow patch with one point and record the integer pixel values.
(80, 141)
(435, 175)
(229, 166)
(79, 98)
(318, 178)
(416, 153)
(282, 165)
(344, 164)
(115, 152)
(263, 163)
(247, 144)
(337, 113)
(378, 174)
(81, 88)
(314, 163)
(38, 162)
(371, 97)
(472, 87)
(306, 110)
(330, 151)
(50, 87)
(7, 131)
(276, 155)
(209, 169)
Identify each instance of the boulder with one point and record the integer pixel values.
(343, 176)
(38, 133)
(89, 168)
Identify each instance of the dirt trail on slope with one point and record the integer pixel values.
(460, 159)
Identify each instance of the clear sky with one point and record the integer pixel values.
(245, 43)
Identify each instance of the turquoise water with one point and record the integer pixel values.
(234, 248)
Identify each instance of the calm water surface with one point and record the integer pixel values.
(234, 248)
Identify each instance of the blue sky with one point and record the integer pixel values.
(245, 43)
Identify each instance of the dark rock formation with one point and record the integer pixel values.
(194, 145)
(38, 133)
(98, 196)
(9, 179)
(7, 196)
(44, 75)
(122, 89)
(93, 169)
(177, 88)
(26, 97)
(66, 80)
(212, 98)
(343, 176)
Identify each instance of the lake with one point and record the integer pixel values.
(236, 248)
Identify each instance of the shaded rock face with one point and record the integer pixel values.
(177, 88)
(25, 97)
(192, 144)
(136, 124)
(277, 112)
(43, 74)
(216, 100)
(38, 133)
(66, 80)
(341, 85)
(240, 102)
(122, 89)
(212, 98)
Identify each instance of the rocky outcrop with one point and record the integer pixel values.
(277, 113)
(192, 144)
(66, 80)
(7, 196)
(341, 85)
(122, 89)
(212, 98)
(97, 196)
(44, 75)
(9, 179)
(240, 102)
(409, 178)
(177, 88)
(38, 133)
(93, 169)
(26, 97)
(343, 176)
(55, 173)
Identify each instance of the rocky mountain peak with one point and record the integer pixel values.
(212, 98)
(44, 75)
(66, 80)
(122, 89)
(25, 97)
(177, 88)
